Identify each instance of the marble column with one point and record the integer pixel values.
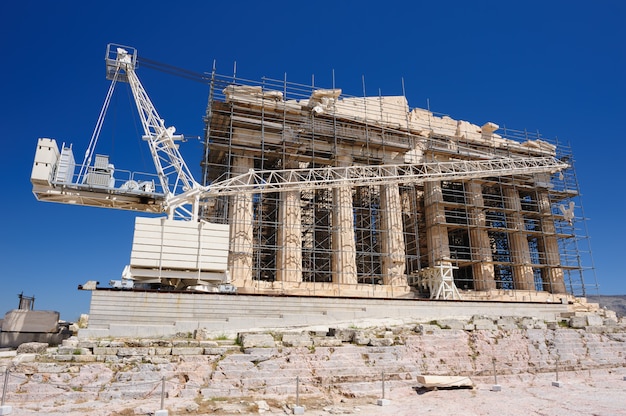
(289, 238)
(553, 280)
(483, 272)
(343, 240)
(241, 230)
(392, 243)
(523, 278)
(436, 230)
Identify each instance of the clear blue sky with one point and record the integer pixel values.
(554, 66)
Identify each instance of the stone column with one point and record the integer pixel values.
(289, 238)
(436, 230)
(523, 278)
(553, 280)
(392, 244)
(343, 242)
(241, 231)
(484, 277)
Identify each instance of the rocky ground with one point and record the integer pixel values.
(334, 370)
(598, 392)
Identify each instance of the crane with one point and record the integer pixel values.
(178, 194)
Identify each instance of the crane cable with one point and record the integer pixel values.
(96, 133)
(149, 63)
(174, 70)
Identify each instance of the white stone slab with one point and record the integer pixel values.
(20, 320)
(444, 381)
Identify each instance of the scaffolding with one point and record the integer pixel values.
(521, 233)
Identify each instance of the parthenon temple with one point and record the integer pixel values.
(484, 237)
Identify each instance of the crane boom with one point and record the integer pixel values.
(332, 177)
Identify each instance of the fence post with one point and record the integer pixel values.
(297, 390)
(4, 386)
(496, 386)
(5, 410)
(382, 401)
(162, 411)
(297, 409)
(162, 392)
(557, 383)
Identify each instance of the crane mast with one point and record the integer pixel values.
(179, 186)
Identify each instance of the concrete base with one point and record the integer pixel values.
(131, 313)
(496, 387)
(557, 383)
(383, 402)
(298, 410)
(161, 413)
(5, 410)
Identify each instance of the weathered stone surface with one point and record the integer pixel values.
(527, 323)
(327, 342)
(552, 325)
(187, 350)
(344, 334)
(381, 342)
(105, 351)
(217, 350)
(70, 342)
(25, 358)
(297, 340)
(427, 329)
(361, 338)
(451, 323)
(507, 323)
(578, 321)
(129, 352)
(258, 355)
(84, 358)
(257, 340)
(162, 350)
(484, 324)
(594, 320)
(32, 348)
(201, 334)
(74, 351)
